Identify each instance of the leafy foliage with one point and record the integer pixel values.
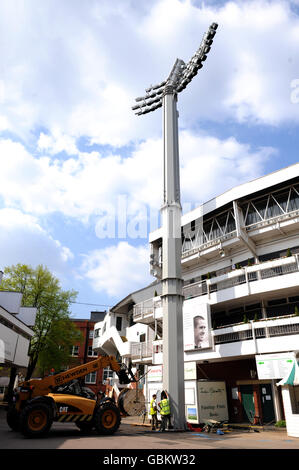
(54, 332)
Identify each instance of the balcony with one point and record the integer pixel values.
(265, 328)
(247, 339)
(142, 352)
(252, 279)
(148, 311)
(260, 337)
(276, 211)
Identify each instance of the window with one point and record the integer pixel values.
(119, 323)
(97, 333)
(91, 378)
(277, 302)
(107, 373)
(142, 338)
(75, 351)
(90, 334)
(91, 352)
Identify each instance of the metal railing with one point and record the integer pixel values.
(141, 350)
(147, 307)
(282, 327)
(247, 274)
(195, 290)
(190, 247)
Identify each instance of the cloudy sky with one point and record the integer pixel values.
(81, 175)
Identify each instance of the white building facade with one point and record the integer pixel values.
(16, 323)
(240, 267)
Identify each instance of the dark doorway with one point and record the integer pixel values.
(267, 403)
(247, 402)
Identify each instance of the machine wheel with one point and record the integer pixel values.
(36, 420)
(107, 419)
(13, 418)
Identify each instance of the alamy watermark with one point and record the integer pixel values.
(125, 219)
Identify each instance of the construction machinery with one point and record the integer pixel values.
(39, 402)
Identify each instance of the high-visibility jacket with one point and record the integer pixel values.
(153, 410)
(164, 407)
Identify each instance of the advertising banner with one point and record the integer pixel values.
(197, 325)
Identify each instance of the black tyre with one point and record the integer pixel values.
(107, 419)
(13, 418)
(36, 420)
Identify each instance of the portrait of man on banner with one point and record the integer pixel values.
(200, 329)
(197, 334)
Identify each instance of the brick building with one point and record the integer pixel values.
(82, 353)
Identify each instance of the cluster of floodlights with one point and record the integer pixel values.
(180, 75)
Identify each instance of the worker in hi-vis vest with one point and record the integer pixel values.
(164, 411)
(153, 412)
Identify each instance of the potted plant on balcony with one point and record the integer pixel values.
(289, 253)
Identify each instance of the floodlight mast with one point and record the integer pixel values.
(165, 95)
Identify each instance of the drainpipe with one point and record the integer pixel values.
(254, 337)
(276, 401)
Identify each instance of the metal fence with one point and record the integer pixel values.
(259, 332)
(202, 288)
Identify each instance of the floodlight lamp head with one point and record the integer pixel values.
(179, 77)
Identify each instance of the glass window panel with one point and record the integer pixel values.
(273, 209)
(252, 217)
(294, 201)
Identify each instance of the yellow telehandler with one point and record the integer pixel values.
(60, 398)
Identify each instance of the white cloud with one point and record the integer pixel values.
(56, 143)
(117, 270)
(81, 76)
(89, 184)
(211, 166)
(23, 240)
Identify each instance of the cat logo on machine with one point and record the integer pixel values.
(63, 409)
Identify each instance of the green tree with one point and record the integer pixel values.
(54, 332)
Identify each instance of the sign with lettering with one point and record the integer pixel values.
(190, 371)
(212, 400)
(155, 374)
(274, 366)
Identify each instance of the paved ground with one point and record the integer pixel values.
(130, 436)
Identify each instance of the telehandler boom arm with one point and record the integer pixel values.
(44, 386)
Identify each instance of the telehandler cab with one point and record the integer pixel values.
(39, 402)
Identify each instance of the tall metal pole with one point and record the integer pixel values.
(172, 297)
(165, 95)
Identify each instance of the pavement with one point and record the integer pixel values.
(135, 436)
(140, 421)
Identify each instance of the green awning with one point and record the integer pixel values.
(292, 377)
